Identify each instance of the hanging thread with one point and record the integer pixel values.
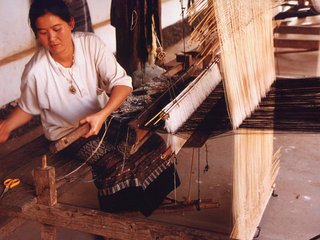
(92, 154)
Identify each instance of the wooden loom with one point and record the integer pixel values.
(295, 30)
(29, 208)
(21, 204)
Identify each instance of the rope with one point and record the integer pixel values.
(190, 176)
(199, 194)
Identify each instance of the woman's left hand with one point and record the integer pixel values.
(117, 97)
(95, 121)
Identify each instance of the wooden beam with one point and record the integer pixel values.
(101, 24)
(295, 43)
(106, 224)
(179, 208)
(18, 56)
(17, 142)
(298, 30)
(295, 11)
(48, 232)
(32, 50)
(293, 51)
(174, 70)
(70, 138)
(9, 226)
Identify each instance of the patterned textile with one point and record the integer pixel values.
(80, 11)
(138, 182)
(113, 173)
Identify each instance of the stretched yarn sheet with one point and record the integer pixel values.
(246, 41)
(255, 170)
(202, 17)
(181, 108)
(242, 30)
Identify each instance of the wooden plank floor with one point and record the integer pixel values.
(19, 163)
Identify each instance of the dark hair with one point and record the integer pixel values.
(40, 7)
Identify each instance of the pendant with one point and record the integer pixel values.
(72, 89)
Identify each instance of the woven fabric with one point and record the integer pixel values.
(128, 182)
(113, 172)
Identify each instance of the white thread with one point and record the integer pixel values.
(125, 150)
(92, 154)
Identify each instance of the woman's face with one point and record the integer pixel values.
(54, 33)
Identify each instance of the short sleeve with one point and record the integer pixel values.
(110, 71)
(28, 101)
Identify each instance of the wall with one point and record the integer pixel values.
(17, 42)
(16, 37)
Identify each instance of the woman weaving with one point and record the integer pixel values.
(60, 83)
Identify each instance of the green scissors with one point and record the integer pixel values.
(10, 183)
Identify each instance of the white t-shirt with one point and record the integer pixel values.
(45, 89)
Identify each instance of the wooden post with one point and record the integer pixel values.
(45, 184)
(184, 58)
(48, 232)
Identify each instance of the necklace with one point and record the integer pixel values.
(68, 74)
(72, 88)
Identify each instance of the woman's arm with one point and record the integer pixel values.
(16, 119)
(118, 95)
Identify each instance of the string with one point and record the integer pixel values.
(174, 102)
(160, 54)
(206, 168)
(175, 179)
(172, 95)
(254, 172)
(92, 154)
(198, 202)
(183, 32)
(134, 20)
(243, 31)
(190, 176)
(125, 150)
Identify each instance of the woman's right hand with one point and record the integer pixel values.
(4, 131)
(16, 119)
